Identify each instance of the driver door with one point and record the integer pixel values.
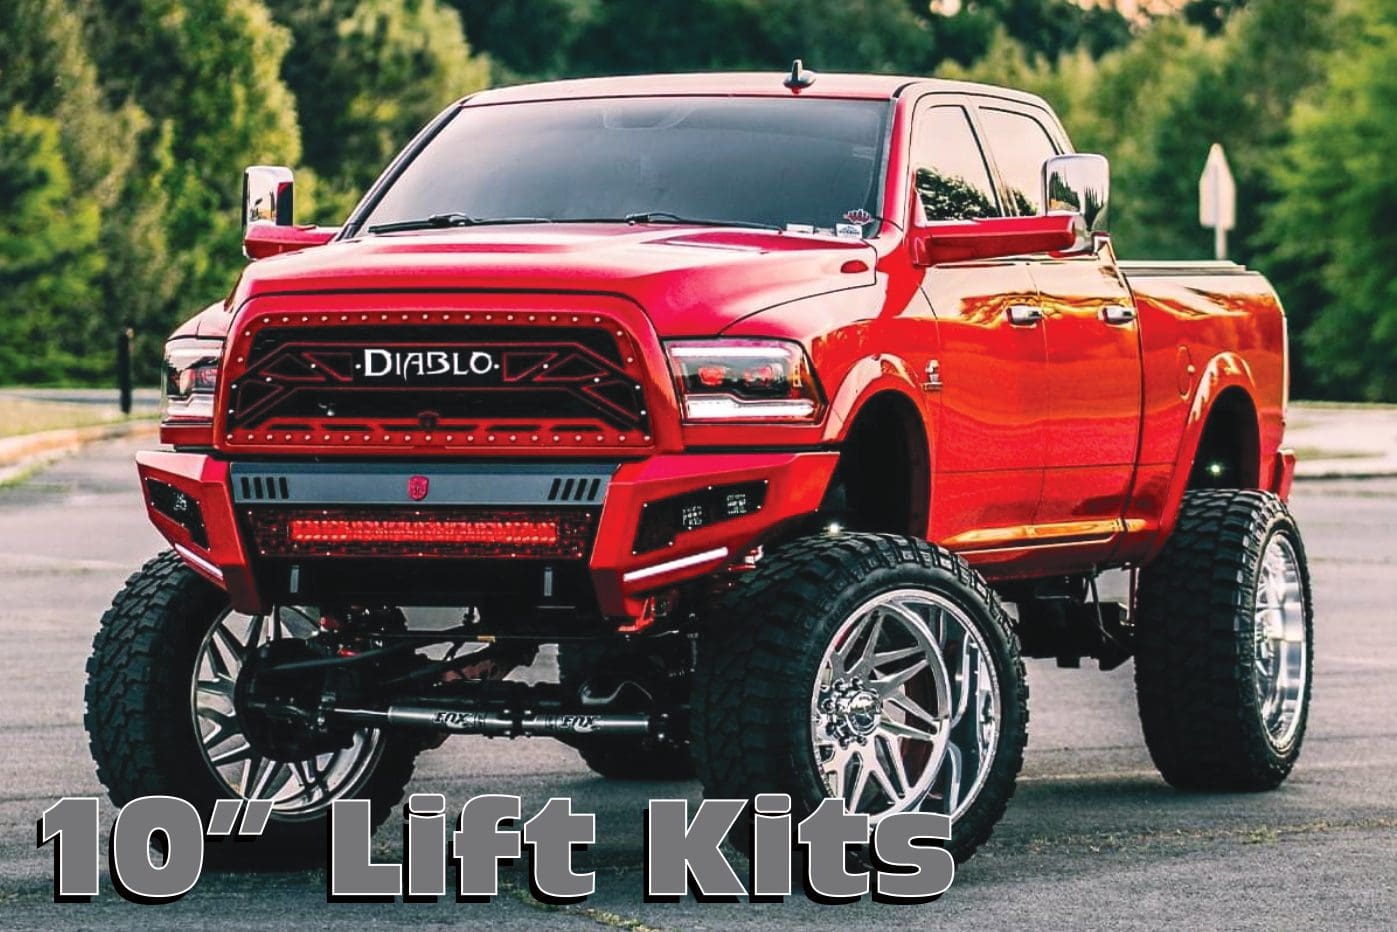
(992, 363)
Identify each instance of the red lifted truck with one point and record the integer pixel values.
(793, 410)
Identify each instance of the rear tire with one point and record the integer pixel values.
(863, 657)
(1224, 644)
(146, 737)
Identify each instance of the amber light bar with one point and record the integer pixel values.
(445, 532)
(338, 530)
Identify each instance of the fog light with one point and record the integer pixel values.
(661, 521)
(179, 508)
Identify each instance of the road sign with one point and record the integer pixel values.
(1217, 199)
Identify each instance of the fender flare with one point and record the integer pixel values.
(1225, 372)
(874, 377)
(871, 376)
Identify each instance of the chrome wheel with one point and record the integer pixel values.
(300, 789)
(1279, 636)
(905, 710)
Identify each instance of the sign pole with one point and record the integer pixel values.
(1217, 199)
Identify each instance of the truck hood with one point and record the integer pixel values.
(691, 281)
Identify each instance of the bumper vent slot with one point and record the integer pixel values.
(574, 489)
(422, 485)
(264, 489)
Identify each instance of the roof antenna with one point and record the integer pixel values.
(799, 78)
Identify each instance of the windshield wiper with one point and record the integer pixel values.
(664, 216)
(440, 221)
(437, 221)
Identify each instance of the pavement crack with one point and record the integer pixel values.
(601, 917)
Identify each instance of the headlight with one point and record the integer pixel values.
(743, 380)
(191, 376)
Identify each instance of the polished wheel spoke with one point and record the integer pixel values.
(1280, 662)
(903, 730)
(298, 789)
(270, 781)
(887, 684)
(909, 706)
(860, 785)
(891, 656)
(242, 751)
(233, 650)
(880, 776)
(904, 681)
(225, 726)
(892, 751)
(220, 686)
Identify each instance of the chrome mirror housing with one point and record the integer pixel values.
(1078, 184)
(268, 195)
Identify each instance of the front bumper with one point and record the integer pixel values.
(194, 499)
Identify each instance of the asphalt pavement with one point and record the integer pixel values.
(1093, 838)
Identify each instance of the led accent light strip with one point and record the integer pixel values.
(706, 556)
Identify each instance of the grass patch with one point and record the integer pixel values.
(1317, 453)
(28, 416)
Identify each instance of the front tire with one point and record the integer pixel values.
(877, 668)
(1224, 644)
(162, 718)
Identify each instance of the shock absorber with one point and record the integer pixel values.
(502, 722)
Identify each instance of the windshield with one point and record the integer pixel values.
(787, 162)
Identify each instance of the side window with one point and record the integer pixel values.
(1020, 145)
(948, 167)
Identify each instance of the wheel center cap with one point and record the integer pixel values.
(862, 712)
(852, 710)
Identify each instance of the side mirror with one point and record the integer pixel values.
(268, 195)
(269, 214)
(1079, 184)
(996, 238)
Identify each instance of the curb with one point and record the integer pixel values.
(19, 453)
(1332, 475)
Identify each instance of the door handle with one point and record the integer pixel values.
(1117, 314)
(1024, 315)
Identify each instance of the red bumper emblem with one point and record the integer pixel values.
(417, 488)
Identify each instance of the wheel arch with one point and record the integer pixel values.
(883, 479)
(1223, 427)
(1227, 451)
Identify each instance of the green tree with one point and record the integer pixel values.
(1212, 15)
(526, 39)
(1111, 105)
(48, 74)
(49, 263)
(1333, 218)
(1045, 28)
(208, 74)
(367, 75)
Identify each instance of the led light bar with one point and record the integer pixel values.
(372, 532)
(324, 530)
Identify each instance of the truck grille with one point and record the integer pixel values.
(463, 386)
